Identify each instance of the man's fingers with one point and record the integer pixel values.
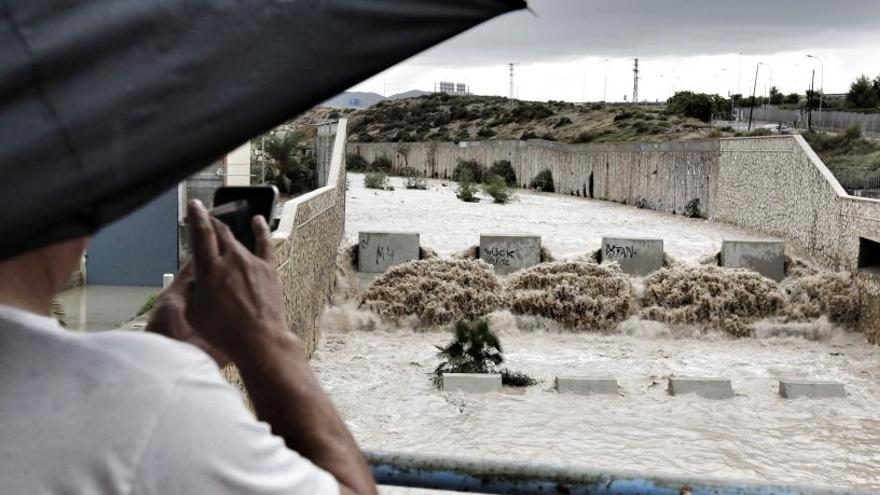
(201, 235)
(265, 249)
(225, 240)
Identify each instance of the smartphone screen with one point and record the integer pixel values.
(235, 206)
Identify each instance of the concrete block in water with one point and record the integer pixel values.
(764, 257)
(710, 388)
(586, 385)
(638, 257)
(378, 251)
(509, 253)
(475, 383)
(790, 389)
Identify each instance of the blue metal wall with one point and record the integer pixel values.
(137, 249)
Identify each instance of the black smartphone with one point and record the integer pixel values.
(235, 206)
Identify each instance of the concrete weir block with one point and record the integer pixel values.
(638, 257)
(710, 388)
(475, 383)
(378, 251)
(764, 257)
(790, 389)
(586, 385)
(509, 253)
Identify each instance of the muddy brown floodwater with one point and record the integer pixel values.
(378, 378)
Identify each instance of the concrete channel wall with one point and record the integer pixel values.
(775, 184)
(660, 176)
(306, 241)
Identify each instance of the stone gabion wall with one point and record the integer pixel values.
(779, 186)
(659, 176)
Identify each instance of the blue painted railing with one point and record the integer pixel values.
(477, 476)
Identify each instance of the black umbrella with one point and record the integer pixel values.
(106, 103)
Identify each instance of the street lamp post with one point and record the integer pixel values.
(754, 88)
(821, 86)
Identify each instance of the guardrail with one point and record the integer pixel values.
(479, 476)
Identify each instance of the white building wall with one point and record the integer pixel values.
(238, 166)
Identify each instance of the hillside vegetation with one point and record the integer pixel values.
(441, 117)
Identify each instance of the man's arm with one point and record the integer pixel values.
(234, 302)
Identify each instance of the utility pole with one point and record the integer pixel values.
(605, 86)
(752, 103)
(511, 79)
(635, 99)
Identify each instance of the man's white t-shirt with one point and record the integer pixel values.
(132, 413)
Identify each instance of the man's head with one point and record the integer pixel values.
(29, 280)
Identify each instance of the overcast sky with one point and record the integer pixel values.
(560, 49)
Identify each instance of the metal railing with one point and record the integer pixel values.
(480, 476)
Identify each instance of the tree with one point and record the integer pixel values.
(792, 99)
(864, 92)
(776, 97)
(286, 167)
(690, 104)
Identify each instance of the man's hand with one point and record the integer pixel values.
(168, 316)
(234, 301)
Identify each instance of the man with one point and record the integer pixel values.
(139, 413)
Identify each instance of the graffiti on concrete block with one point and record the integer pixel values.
(384, 253)
(615, 252)
(499, 256)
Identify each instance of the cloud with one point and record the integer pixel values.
(570, 29)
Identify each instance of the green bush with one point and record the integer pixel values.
(543, 181)
(414, 179)
(497, 188)
(692, 209)
(356, 163)
(467, 191)
(377, 180)
(516, 379)
(476, 349)
(504, 169)
(562, 122)
(381, 164)
(471, 166)
(485, 132)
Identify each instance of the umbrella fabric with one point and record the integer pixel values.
(104, 104)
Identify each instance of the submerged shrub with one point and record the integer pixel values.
(356, 163)
(497, 188)
(834, 295)
(692, 209)
(381, 163)
(543, 181)
(466, 191)
(516, 379)
(436, 291)
(377, 180)
(578, 294)
(414, 179)
(469, 169)
(710, 296)
(504, 169)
